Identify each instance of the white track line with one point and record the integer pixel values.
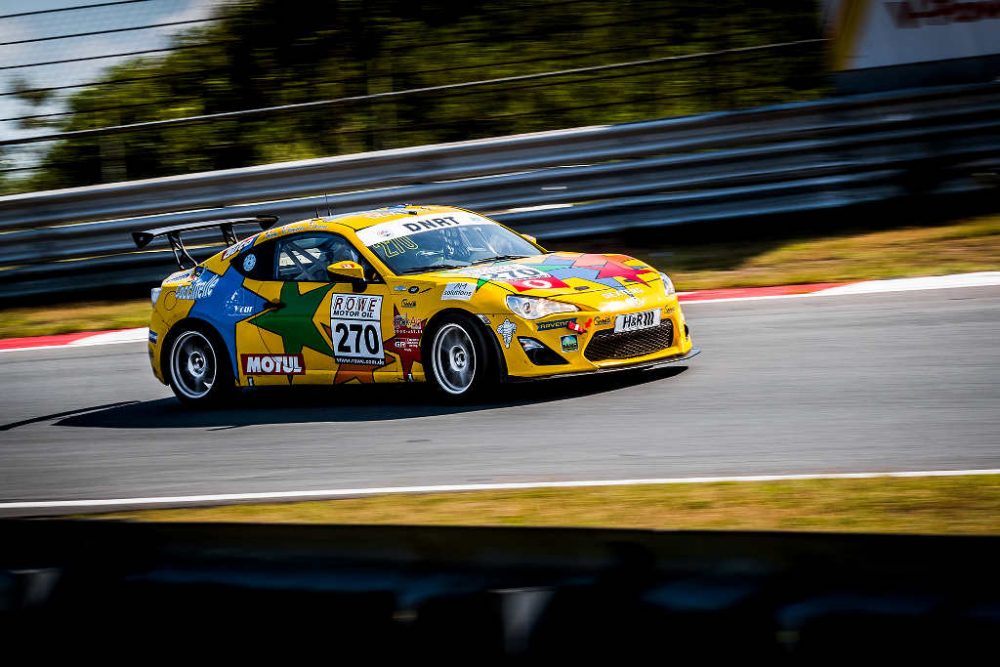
(445, 488)
(980, 279)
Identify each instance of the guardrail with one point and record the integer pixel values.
(801, 157)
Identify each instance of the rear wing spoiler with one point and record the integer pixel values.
(173, 234)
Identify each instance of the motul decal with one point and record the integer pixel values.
(273, 364)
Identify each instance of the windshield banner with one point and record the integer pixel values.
(386, 231)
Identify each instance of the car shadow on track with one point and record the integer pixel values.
(341, 404)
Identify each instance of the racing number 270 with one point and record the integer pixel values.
(362, 333)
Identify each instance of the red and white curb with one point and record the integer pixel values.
(981, 279)
(82, 339)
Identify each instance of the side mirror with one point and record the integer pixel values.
(346, 272)
(531, 238)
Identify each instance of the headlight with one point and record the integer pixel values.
(531, 308)
(668, 285)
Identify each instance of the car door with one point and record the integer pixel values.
(316, 329)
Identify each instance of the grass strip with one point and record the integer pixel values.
(73, 317)
(929, 505)
(962, 247)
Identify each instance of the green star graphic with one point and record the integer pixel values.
(294, 323)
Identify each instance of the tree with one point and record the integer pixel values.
(267, 53)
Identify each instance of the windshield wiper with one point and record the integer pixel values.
(434, 267)
(500, 258)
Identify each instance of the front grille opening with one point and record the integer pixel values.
(607, 344)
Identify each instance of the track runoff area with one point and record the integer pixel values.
(721, 296)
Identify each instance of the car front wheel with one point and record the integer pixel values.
(459, 363)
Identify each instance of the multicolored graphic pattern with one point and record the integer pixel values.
(259, 321)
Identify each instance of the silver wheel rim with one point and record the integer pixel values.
(454, 359)
(193, 365)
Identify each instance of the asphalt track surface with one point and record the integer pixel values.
(878, 382)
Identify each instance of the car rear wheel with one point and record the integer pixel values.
(198, 372)
(460, 366)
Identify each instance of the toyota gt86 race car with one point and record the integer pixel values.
(401, 294)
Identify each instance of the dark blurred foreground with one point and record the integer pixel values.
(130, 592)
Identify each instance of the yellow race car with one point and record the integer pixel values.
(401, 294)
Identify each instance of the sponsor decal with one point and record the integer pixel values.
(502, 273)
(239, 245)
(506, 330)
(521, 277)
(406, 324)
(536, 283)
(355, 323)
(378, 213)
(555, 324)
(249, 262)
(273, 364)
(408, 303)
(579, 328)
(295, 227)
(153, 337)
(636, 321)
(414, 289)
(394, 229)
(238, 304)
(405, 342)
(602, 320)
(178, 275)
(619, 291)
(569, 343)
(625, 299)
(200, 288)
(399, 288)
(458, 292)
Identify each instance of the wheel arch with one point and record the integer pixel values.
(478, 324)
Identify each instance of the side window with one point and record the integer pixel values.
(256, 262)
(304, 258)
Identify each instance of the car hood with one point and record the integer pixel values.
(581, 278)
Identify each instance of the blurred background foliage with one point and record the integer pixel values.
(264, 53)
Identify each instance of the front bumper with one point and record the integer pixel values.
(637, 366)
(596, 348)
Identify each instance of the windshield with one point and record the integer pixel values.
(443, 241)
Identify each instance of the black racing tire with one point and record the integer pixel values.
(200, 374)
(459, 360)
